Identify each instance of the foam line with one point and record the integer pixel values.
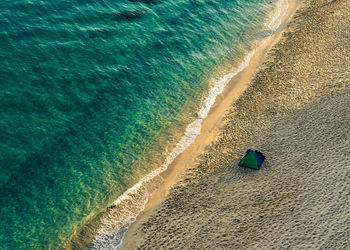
(107, 239)
(276, 19)
(136, 197)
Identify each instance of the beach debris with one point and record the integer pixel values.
(252, 159)
(112, 206)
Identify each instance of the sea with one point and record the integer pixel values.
(97, 98)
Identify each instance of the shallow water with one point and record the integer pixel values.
(96, 95)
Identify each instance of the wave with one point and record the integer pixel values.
(115, 221)
(276, 19)
(125, 209)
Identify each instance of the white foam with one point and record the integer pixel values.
(220, 85)
(276, 20)
(133, 201)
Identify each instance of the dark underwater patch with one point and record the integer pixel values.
(129, 16)
(154, 2)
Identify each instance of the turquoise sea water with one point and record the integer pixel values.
(94, 96)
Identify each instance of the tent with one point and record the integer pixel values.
(252, 159)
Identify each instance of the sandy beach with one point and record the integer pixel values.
(297, 112)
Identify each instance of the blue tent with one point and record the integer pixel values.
(252, 159)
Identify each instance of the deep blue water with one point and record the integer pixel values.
(94, 92)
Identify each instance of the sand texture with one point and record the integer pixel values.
(297, 112)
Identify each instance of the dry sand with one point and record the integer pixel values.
(297, 112)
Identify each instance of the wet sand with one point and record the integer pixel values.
(297, 112)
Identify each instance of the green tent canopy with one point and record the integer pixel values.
(252, 159)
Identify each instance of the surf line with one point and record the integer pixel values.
(113, 227)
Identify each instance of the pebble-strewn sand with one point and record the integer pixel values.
(297, 112)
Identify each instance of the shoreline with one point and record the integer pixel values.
(210, 120)
(216, 162)
(213, 123)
